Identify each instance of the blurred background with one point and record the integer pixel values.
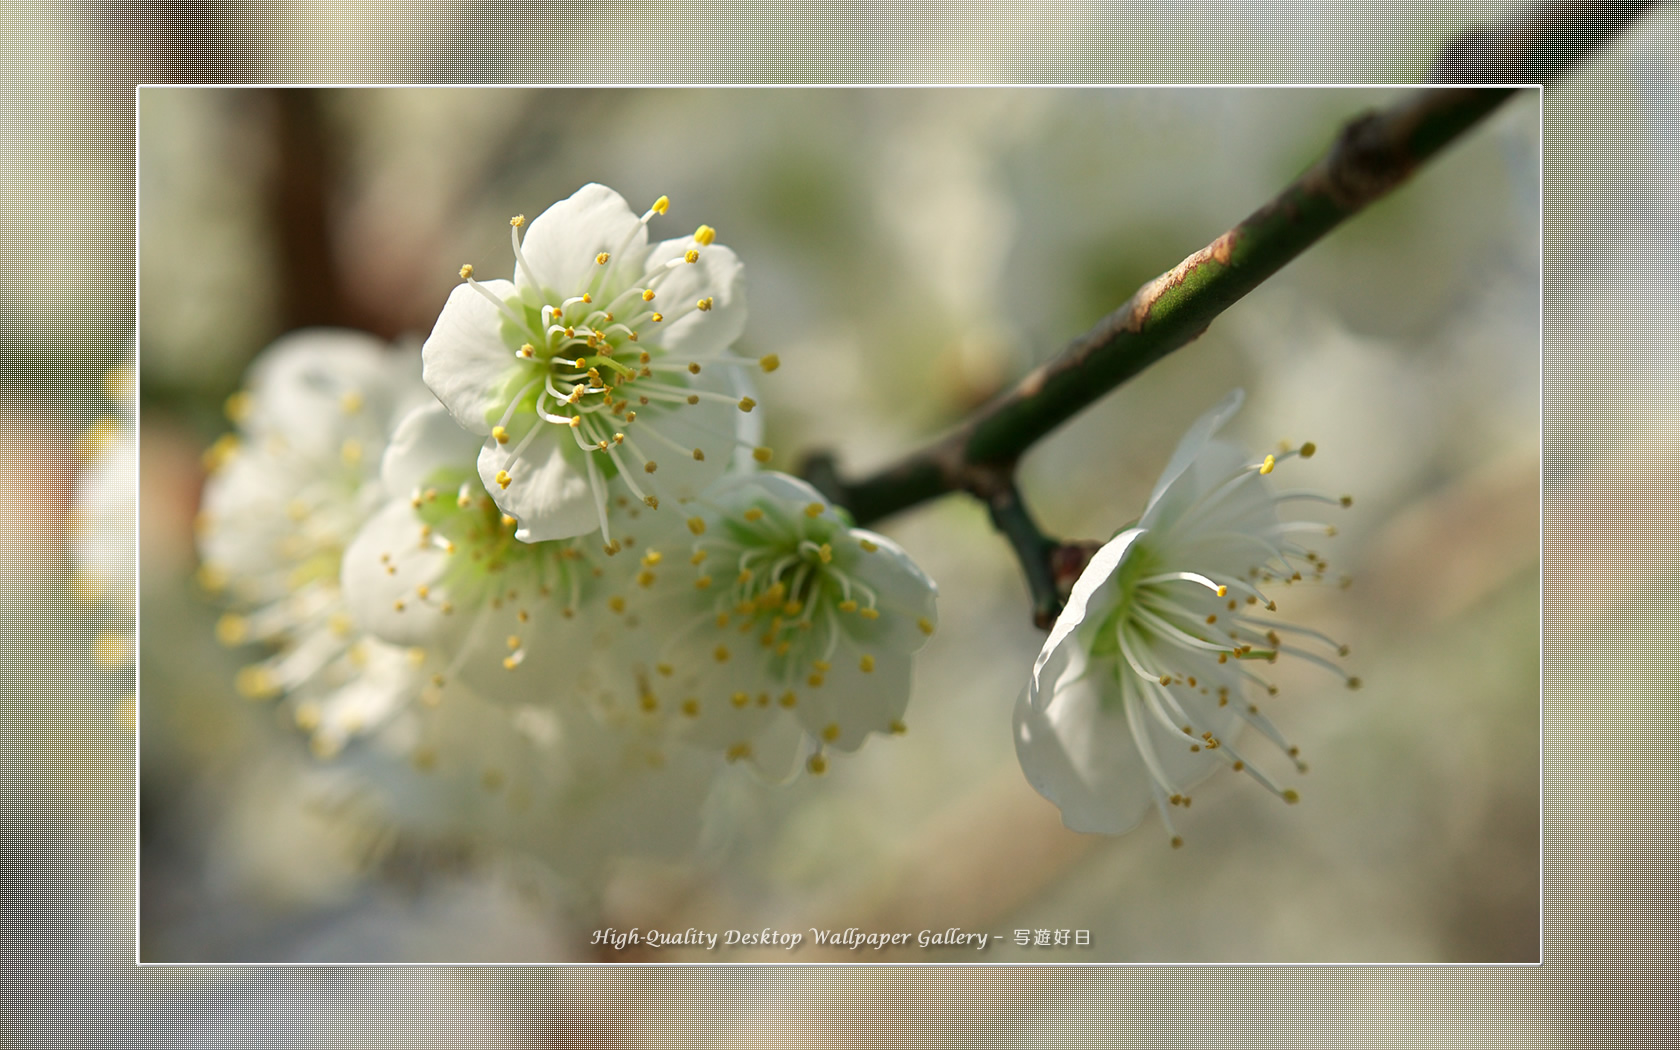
(908, 253)
(1404, 345)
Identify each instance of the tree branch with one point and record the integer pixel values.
(1373, 154)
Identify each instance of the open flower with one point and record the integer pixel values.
(603, 359)
(438, 566)
(1142, 686)
(783, 631)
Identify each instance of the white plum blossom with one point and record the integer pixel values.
(438, 566)
(1142, 687)
(774, 629)
(605, 362)
(285, 494)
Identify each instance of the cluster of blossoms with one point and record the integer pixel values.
(545, 578)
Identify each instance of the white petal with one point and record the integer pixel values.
(561, 244)
(716, 275)
(382, 569)
(1190, 446)
(466, 361)
(1079, 754)
(426, 441)
(549, 496)
(858, 702)
(905, 595)
(1091, 592)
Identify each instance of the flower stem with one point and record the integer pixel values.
(1373, 154)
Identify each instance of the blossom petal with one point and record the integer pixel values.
(1190, 446)
(549, 496)
(382, 570)
(562, 243)
(1093, 589)
(426, 441)
(465, 360)
(905, 596)
(1079, 753)
(856, 702)
(714, 275)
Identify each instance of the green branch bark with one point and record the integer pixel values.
(1373, 154)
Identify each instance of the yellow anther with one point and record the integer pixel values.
(232, 629)
(255, 683)
(769, 362)
(350, 451)
(694, 399)
(788, 699)
(647, 295)
(652, 558)
(926, 626)
(500, 434)
(1307, 450)
(869, 545)
(752, 514)
(237, 406)
(740, 699)
(616, 603)
(697, 525)
(826, 553)
(527, 351)
(466, 272)
(866, 663)
(691, 256)
(699, 455)
(646, 578)
(650, 466)
(1267, 464)
(603, 258)
(513, 641)
(503, 478)
(820, 665)
(848, 606)
(1220, 590)
(704, 304)
(649, 702)
(423, 592)
(831, 732)
(691, 707)
(705, 235)
(817, 764)
(870, 614)
(747, 404)
(702, 583)
(738, 751)
(660, 205)
(898, 728)
(1347, 501)
(813, 510)
(517, 221)
(721, 654)
(351, 402)
(1291, 797)
(1354, 683)
(509, 521)
(657, 316)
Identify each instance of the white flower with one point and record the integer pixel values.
(439, 566)
(604, 358)
(285, 495)
(783, 630)
(1140, 690)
